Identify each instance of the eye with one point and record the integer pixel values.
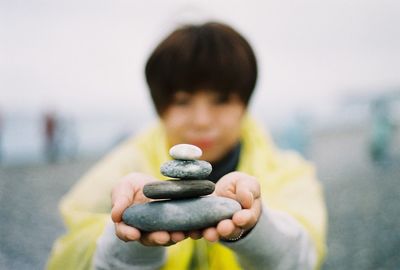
(222, 99)
(181, 98)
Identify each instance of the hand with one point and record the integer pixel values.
(128, 191)
(246, 190)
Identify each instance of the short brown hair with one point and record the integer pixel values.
(209, 56)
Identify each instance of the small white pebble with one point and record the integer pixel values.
(185, 152)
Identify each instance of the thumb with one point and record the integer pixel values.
(122, 197)
(119, 205)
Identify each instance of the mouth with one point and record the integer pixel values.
(204, 144)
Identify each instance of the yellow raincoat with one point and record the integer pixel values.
(287, 182)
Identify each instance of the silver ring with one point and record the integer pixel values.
(237, 237)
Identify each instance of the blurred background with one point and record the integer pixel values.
(72, 87)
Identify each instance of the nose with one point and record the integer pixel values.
(202, 115)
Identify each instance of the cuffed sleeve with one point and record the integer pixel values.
(277, 242)
(113, 253)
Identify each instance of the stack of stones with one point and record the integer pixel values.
(179, 204)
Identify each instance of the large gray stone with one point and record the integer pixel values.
(180, 215)
(177, 189)
(186, 169)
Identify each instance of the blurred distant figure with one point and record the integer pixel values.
(50, 127)
(382, 130)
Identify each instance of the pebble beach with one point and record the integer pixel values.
(362, 198)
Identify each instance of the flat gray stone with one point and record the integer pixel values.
(180, 215)
(185, 152)
(178, 189)
(186, 169)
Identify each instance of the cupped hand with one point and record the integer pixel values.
(246, 190)
(127, 192)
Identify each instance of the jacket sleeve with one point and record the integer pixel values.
(277, 242)
(290, 233)
(112, 253)
(85, 210)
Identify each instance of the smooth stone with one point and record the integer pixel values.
(175, 189)
(185, 152)
(186, 169)
(180, 215)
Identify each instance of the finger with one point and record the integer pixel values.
(121, 198)
(126, 233)
(239, 184)
(211, 234)
(177, 236)
(158, 238)
(225, 228)
(237, 232)
(226, 186)
(127, 192)
(244, 197)
(247, 218)
(247, 190)
(118, 209)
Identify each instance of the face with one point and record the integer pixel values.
(204, 119)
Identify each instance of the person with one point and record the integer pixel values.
(201, 78)
(50, 127)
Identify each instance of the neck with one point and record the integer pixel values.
(226, 164)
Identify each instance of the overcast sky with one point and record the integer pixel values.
(87, 56)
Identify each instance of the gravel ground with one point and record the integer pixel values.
(29, 218)
(363, 203)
